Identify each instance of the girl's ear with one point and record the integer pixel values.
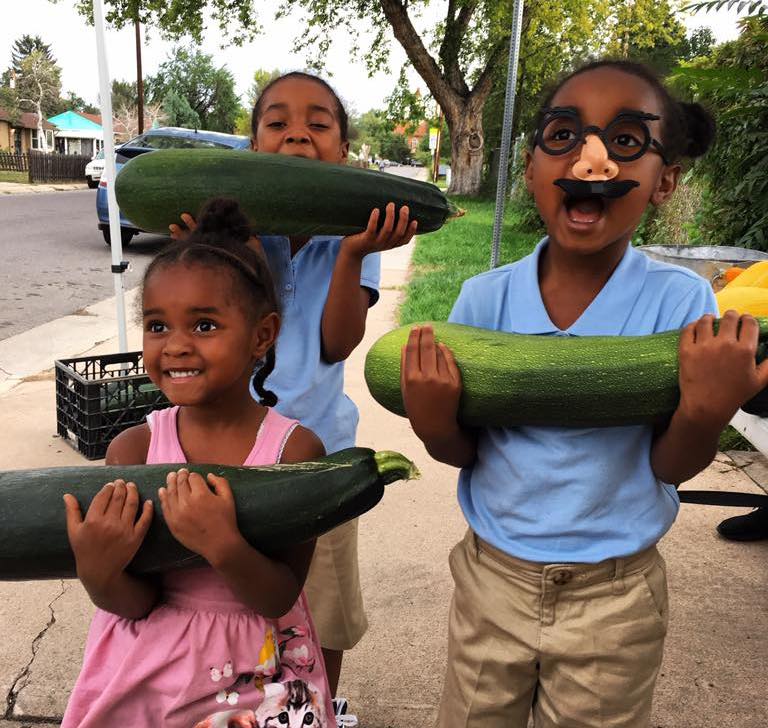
(666, 185)
(344, 152)
(265, 333)
(253, 144)
(529, 170)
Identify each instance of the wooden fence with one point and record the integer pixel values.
(10, 162)
(46, 167)
(57, 167)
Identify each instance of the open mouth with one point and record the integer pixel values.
(585, 210)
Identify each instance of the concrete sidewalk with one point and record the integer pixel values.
(714, 675)
(22, 188)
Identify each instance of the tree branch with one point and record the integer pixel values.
(397, 16)
(455, 30)
(485, 80)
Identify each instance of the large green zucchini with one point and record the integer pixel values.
(276, 506)
(280, 194)
(518, 379)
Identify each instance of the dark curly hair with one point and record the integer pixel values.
(221, 240)
(687, 130)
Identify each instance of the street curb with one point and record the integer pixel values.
(34, 351)
(21, 188)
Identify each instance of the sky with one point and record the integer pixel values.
(74, 46)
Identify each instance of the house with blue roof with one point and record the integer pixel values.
(76, 134)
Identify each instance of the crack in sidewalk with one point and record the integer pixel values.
(17, 686)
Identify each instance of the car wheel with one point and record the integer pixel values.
(92, 183)
(125, 236)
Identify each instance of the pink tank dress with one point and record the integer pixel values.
(201, 659)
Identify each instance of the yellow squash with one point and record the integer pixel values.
(743, 299)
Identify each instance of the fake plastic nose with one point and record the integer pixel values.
(594, 164)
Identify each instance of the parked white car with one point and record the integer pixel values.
(94, 170)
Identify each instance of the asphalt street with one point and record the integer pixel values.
(53, 259)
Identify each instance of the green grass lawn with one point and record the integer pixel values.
(443, 260)
(14, 176)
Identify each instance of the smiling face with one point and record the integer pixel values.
(591, 225)
(299, 117)
(200, 345)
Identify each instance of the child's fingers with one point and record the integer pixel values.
(389, 222)
(748, 330)
(703, 330)
(117, 501)
(402, 223)
(145, 519)
(412, 353)
(131, 502)
(183, 488)
(171, 482)
(189, 221)
(100, 502)
(728, 327)
(221, 486)
(428, 351)
(373, 223)
(450, 363)
(409, 233)
(73, 513)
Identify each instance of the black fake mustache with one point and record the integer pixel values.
(609, 188)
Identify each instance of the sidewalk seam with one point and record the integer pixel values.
(13, 693)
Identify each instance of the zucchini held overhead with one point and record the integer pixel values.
(280, 194)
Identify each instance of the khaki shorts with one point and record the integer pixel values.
(580, 645)
(333, 589)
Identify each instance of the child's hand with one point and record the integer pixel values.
(107, 539)
(182, 233)
(718, 373)
(390, 236)
(201, 519)
(431, 384)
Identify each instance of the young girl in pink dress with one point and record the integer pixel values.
(231, 644)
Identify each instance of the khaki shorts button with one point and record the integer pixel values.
(562, 577)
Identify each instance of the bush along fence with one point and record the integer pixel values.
(46, 167)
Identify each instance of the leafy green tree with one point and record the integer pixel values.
(38, 87)
(209, 92)
(124, 94)
(26, 45)
(261, 78)
(733, 82)
(649, 31)
(394, 147)
(179, 19)
(178, 112)
(72, 102)
(700, 43)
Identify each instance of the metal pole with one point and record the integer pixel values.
(118, 265)
(436, 157)
(139, 76)
(506, 129)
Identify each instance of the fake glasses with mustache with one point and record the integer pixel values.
(626, 138)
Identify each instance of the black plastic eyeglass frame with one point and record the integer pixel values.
(558, 112)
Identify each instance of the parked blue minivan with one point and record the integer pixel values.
(168, 137)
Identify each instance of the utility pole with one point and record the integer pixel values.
(436, 160)
(139, 77)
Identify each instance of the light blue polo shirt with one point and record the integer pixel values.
(581, 495)
(308, 388)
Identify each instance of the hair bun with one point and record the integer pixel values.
(700, 129)
(221, 216)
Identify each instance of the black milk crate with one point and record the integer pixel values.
(97, 397)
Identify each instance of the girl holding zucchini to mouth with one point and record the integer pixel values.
(560, 601)
(326, 286)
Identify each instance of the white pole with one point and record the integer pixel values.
(118, 265)
(506, 129)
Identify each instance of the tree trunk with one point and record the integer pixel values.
(41, 140)
(465, 124)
